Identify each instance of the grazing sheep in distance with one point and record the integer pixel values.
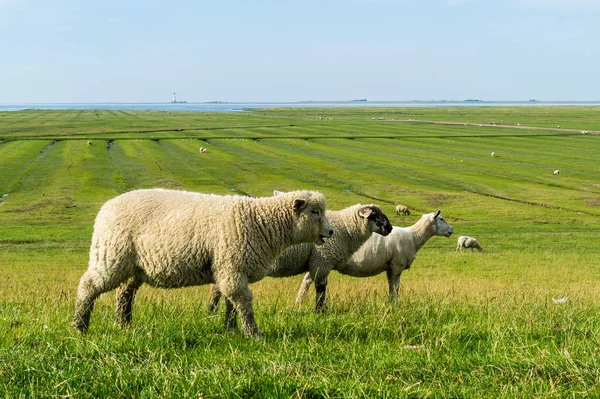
(468, 242)
(556, 172)
(89, 143)
(493, 154)
(203, 150)
(353, 226)
(171, 239)
(402, 209)
(392, 254)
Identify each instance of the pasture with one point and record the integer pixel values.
(466, 325)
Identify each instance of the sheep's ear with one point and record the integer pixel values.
(277, 192)
(365, 211)
(300, 204)
(437, 213)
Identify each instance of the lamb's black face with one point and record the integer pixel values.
(380, 221)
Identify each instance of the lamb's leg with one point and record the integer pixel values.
(125, 296)
(393, 285)
(321, 288)
(304, 287)
(215, 297)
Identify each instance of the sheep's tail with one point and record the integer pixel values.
(304, 286)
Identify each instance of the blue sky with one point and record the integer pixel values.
(283, 50)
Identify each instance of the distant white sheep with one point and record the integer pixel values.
(391, 254)
(493, 154)
(89, 143)
(203, 150)
(468, 242)
(171, 239)
(402, 209)
(556, 172)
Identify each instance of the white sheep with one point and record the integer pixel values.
(493, 154)
(352, 226)
(89, 143)
(203, 150)
(402, 209)
(170, 239)
(468, 242)
(392, 254)
(556, 172)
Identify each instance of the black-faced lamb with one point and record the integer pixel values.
(391, 254)
(352, 226)
(171, 239)
(402, 209)
(468, 242)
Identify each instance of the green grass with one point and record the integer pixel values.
(466, 325)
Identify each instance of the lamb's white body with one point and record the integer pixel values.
(169, 239)
(352, 227)
(392, 254)
(556, 172)
(468, 242)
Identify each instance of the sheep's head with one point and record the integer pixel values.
(440, 226)
(377, 221)
(309, 210)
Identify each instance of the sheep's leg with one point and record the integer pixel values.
(393, 285)
(215, 297)
(230, 315)
(87, 293)
(304, 287)
(321, 288)
(125, 296)
(240, 295)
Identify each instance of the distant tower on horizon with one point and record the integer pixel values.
(174, 97)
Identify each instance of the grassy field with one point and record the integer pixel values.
(466, 325)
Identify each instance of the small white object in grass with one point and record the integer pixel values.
(561, 300)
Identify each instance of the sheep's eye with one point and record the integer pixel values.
(316, 212)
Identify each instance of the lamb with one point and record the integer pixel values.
(493, 154)
(171, 239)
(89, 143)
(468, 242)
(402, 209)
(352, 226)
(392, 254)
(556, 172)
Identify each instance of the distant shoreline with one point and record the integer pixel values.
(223, 106)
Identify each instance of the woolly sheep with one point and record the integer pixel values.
(468, 242)
(352, 226)
(392, 254)
(89, 143)
(493, 154)
(402, 209)
(556, 172)
(170, 239)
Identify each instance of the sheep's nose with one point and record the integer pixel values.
(330, 233)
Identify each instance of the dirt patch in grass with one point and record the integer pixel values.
(437, 199)
(592, 201)
(32, 207)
